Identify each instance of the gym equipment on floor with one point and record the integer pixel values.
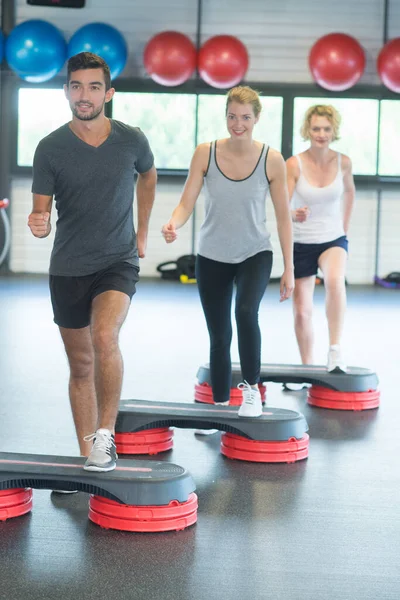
(354, 390)
(264, 436)
(136, 496)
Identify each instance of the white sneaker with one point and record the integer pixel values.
(210, 431)
(294, 387)
(335, 360)
(103, 455)
(251, 405)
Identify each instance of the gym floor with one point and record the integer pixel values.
(325, 528)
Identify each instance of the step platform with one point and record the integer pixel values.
(136, 496)
(137, 418)
(356, 379)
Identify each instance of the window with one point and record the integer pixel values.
(212, 123)
(40, 111)
(358, 130)
(389, 137)
(167, 120)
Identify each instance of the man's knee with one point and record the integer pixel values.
(81, 364)
(105, 339)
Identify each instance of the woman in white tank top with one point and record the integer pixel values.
(322, 191)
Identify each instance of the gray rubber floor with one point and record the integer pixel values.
(326, 528)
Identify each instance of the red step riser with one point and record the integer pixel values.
(15, 503)
(148, 441)
(325, 398)
(282, 457)
(175, 516)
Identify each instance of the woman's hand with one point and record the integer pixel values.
(287, 284)
(169, 232)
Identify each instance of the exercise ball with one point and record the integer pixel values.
(223, 61)
(388, 65)
(103, 40)
(336, 61)
(36, 50)
(170, 58)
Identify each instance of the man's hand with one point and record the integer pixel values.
(141, 240)
(39, 224)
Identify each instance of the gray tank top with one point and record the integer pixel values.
(234, 226)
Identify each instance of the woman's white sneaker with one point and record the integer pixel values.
(335, 360)
(251, 404)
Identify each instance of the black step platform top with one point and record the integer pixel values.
(356, 379)
(274, 424)
(135, 482)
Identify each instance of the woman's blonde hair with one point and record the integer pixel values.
(321, 110)
(242, 94)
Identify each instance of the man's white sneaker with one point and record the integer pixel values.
(251, 405)
(335, 360)
(103, 455)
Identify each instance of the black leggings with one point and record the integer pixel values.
(215, 282)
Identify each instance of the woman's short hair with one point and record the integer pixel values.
(321, 110)
(243, 94)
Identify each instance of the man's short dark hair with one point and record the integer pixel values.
(87, 60)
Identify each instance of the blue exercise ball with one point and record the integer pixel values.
(36, 50)
(103, 40)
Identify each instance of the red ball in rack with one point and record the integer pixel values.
(388, 65)
(223, 61)
(170, 58)
(337, 61)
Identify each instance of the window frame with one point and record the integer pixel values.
(287, 91)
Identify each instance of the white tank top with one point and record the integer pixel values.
(325, 221)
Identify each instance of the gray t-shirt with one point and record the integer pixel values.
(93, 190)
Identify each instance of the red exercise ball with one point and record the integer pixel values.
(170, 58)
(388, 65)
(223, 61)
(336, 61)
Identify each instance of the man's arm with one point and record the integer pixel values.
(39, 219)
(145, 194)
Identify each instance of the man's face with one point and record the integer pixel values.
(86, 93)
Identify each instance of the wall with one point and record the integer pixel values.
(278, 35)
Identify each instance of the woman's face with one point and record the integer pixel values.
(240, 120)
(321, 131)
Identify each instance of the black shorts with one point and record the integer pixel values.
(72, 297)
(306, 256)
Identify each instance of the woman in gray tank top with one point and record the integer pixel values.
(234, 247)
(321, 187)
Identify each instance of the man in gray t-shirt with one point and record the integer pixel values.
(88, 166)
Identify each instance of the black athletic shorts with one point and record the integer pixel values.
(306, 256)
(72, 297)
